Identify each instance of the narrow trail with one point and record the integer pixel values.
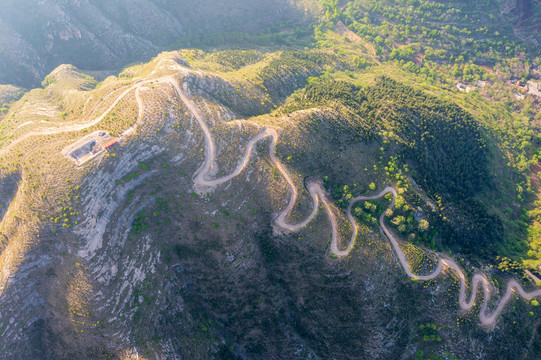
(535, 279)
(204, 183)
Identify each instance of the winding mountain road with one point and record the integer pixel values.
(203, 183)
(317, 194)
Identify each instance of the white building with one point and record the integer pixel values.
(534, 88)
(463, 87)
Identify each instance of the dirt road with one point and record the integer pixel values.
(203, 183)
(317, 193)
(478, 281)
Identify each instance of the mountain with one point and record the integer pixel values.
(524, 15)
(145, 217)
(364, 185)
(36, 37)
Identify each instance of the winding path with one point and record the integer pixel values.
(478, 280)
(317, 193)
(203, 182)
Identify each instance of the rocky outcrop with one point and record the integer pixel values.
(97, 35)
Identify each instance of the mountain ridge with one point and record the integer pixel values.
(90, 253)
(93, 35)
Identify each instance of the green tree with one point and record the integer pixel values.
(331, 9)
(423, 225)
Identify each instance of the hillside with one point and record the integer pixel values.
(96, 35)
(524, 15)
(125, 187)
(357, 188)
(105, 36)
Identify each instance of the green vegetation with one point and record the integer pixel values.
(140, 223)
(299, 35)
(368, 212)
(144, 166)
(131, 176)
(364, 99)
(437, 44)
(440, 30)
(291, 69)
(443, 143)
(331, 9)
(442, 139)
(236, 59)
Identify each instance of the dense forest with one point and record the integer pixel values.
(442, 139)
(284, 74)
(443, 144)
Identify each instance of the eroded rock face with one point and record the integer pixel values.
(522, 10)
(38, 36)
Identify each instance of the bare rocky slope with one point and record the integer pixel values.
(37, 36)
